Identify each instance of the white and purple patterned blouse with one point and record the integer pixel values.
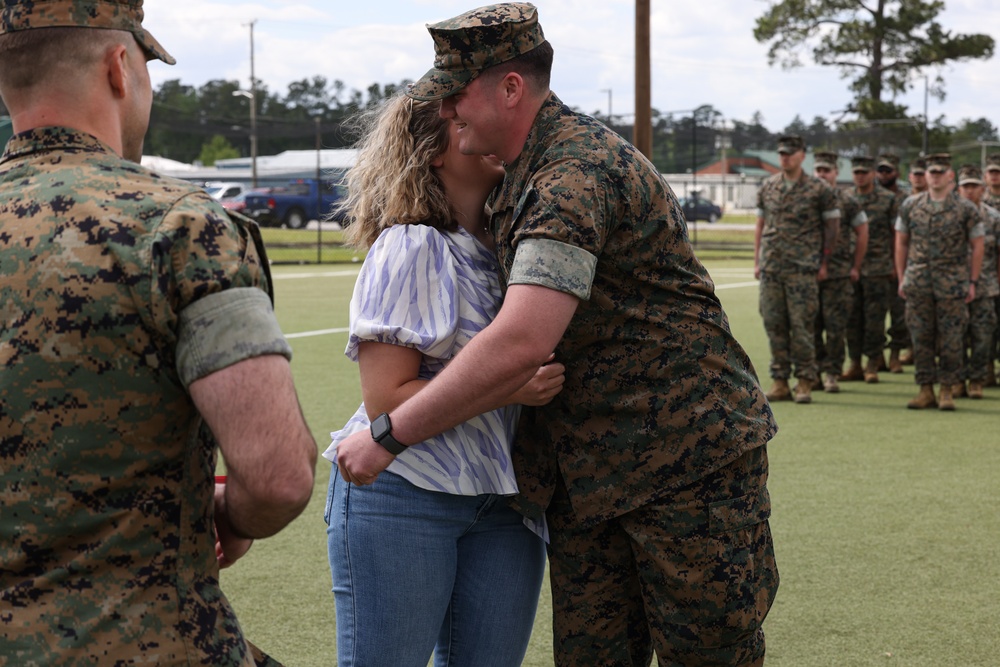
(433, 291)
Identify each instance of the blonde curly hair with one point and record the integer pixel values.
(392, 182)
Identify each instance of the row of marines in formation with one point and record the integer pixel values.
(833, 263)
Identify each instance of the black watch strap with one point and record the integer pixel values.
(382, 434)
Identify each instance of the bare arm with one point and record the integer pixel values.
(902, 250)
(270, 455)
(978, 249)
(498, 360)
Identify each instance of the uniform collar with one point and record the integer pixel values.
(42, 139)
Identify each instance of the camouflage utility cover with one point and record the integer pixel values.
(795, 215)
(107, 549)
(658, 393)
(466, 45)
(937, 260)
(881, 206)
(104, 14)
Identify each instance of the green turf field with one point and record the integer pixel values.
(886, 521)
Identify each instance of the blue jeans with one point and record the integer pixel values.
(416, 572)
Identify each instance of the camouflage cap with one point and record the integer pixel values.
(993, 162)
(825, 159)
(918, 166)
(791, 144)
(107, 14)
(939, 162)
(890, 160)
(862, 163)
(477, 40)
(970, 174)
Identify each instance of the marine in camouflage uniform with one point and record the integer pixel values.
(887, 173)
(982, 309)
(992, 198)
(651, 464)
(118, 289)
(934, 233)
(873, 292)
(836, 292)
(797, 226)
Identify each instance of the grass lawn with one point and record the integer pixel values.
(886, 520)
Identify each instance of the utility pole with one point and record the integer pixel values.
(643, 115)
(608, 91)
(924, 151)
(253, 113)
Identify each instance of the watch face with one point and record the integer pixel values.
(381, 426)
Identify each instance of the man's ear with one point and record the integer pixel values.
(513, 89)
(116, 64)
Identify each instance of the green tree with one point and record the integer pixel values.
(216, 148)
(881, 45)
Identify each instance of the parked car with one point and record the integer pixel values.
(225, 189)
(699, 208)
(294, 204)
(239, 202)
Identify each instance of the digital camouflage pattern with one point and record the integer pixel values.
(835, 298)
(936, 281)
(866, 324)
(106, 469)
(982, 309)
(881, 206)
(852, 216)
(658, 393)
(788, 306)
(795, 215)
(719, 522)
(101, 14)
(466, 45)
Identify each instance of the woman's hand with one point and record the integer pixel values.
(543, 386)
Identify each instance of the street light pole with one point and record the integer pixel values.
(608, 91)
(253, 112)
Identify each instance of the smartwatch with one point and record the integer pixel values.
(382, 434)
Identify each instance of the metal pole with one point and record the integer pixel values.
(694, 175)
(924, 151)
(643, 115)
(253, 113)
(319, 195)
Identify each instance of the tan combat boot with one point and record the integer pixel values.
(817, 384)
(924, 400)
(880, 364)
(975, 389)
(945, 400)
(830, 386)
(906, 357)
(958, 390)
(871, 370)
(779, 391)
(854, 372)
(895, 365)
(803, 391)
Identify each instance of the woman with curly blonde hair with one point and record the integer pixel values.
(428, 559)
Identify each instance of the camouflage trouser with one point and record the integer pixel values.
(866, 326)
(938, 330)
(899, 335)
(834, 308)
(788, 306)
(981, 335)
(692, 575)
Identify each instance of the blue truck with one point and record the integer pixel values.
(295, 204)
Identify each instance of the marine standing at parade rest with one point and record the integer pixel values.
(798, 219)
(137, 342)
(982, 309)
(992, 198)
(873, 292)
(844, 269)
(939, 254)
(887, 174)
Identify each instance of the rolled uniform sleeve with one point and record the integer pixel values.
(564, 229)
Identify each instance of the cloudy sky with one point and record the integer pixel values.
(703, 52)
